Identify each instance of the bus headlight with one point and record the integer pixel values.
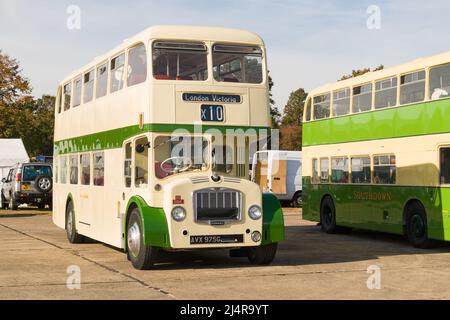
(255, 212)
(178, 214)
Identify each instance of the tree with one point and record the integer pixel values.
(22, 116)
(360, 72)
(291, 138)
(275, 114)
(13, 86)
(293, 111)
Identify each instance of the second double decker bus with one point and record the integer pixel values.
(376, 152)
(153, 141)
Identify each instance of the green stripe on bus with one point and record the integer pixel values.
(379, 207)
(113, 139)
(407, 121)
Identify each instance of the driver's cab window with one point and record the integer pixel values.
(179, 154)
(127, 165)
(141, 163)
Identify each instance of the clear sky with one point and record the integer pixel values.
(310, 42)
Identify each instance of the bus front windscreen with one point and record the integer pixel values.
(179, 154)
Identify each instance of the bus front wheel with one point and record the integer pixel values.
(417, 227)
(142, 257)
(71, 229)
(262, 255)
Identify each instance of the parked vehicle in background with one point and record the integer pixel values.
(377, 152)
(279, 172)
(27, 183)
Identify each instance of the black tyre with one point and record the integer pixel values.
(12, 205)
(44, 184)
(297, 201)
(142, 257)
(262, 255)
(328, 216)
(417, 227)
(71, 230)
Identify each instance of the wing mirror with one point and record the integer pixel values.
(140, 148)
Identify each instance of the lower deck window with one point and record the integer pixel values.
(99, 169)
(361, 170)
(85, 161)
(324, 170)
(339, 170)
(445, 165)
(74, 170)
(384, 169)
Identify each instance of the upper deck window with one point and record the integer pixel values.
(362, 98)
(102, 80)
(137, 65)
(77, 92)
(88, 86)
(341, 102)
(234, 63)
(67, 96)
(117, 73)
(440, 82)
(180, 61)
(412, 87)
(308, 110)
(321, 106)
(386, 93)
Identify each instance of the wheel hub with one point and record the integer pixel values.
(44, 184)
(134, 239)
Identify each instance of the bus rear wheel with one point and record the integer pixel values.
(71, 229)
(262, 255)
(142, 257)
(417, 227)
(328, 216)
(297, 201)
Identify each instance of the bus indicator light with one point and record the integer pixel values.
(178, 200)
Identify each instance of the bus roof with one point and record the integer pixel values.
(176, 32)
(411, 66)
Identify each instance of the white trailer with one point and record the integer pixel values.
(279, 172)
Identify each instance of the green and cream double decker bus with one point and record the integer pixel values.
(153, 141)
(376, 152)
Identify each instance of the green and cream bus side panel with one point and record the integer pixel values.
(381, 207)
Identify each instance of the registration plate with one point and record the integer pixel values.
(212, 113)
(235, 238)
(25, 187)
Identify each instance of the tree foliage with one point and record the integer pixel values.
(293, 111)
(360, 72)
(21, 116)
(275, 114)
(13, 86)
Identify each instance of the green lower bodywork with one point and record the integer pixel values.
(273, 220)
(154, 222)
(379, 207)
(156, 231)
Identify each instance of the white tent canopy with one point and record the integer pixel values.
(12, 151)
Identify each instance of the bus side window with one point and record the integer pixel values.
(308, 110)
(361, 170)
(77, 92)
(384, 169)
(412, 87)
(74, 169)
(339, 170)
(63, 165)
(137, 65)
(445, 166)
(127, 165)
(315, 167)
(67, 96)
(99, 169)
(117, 73)
(102, 80)
(321, 106)
(324, 170)
(85, 160)
(141, 164)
